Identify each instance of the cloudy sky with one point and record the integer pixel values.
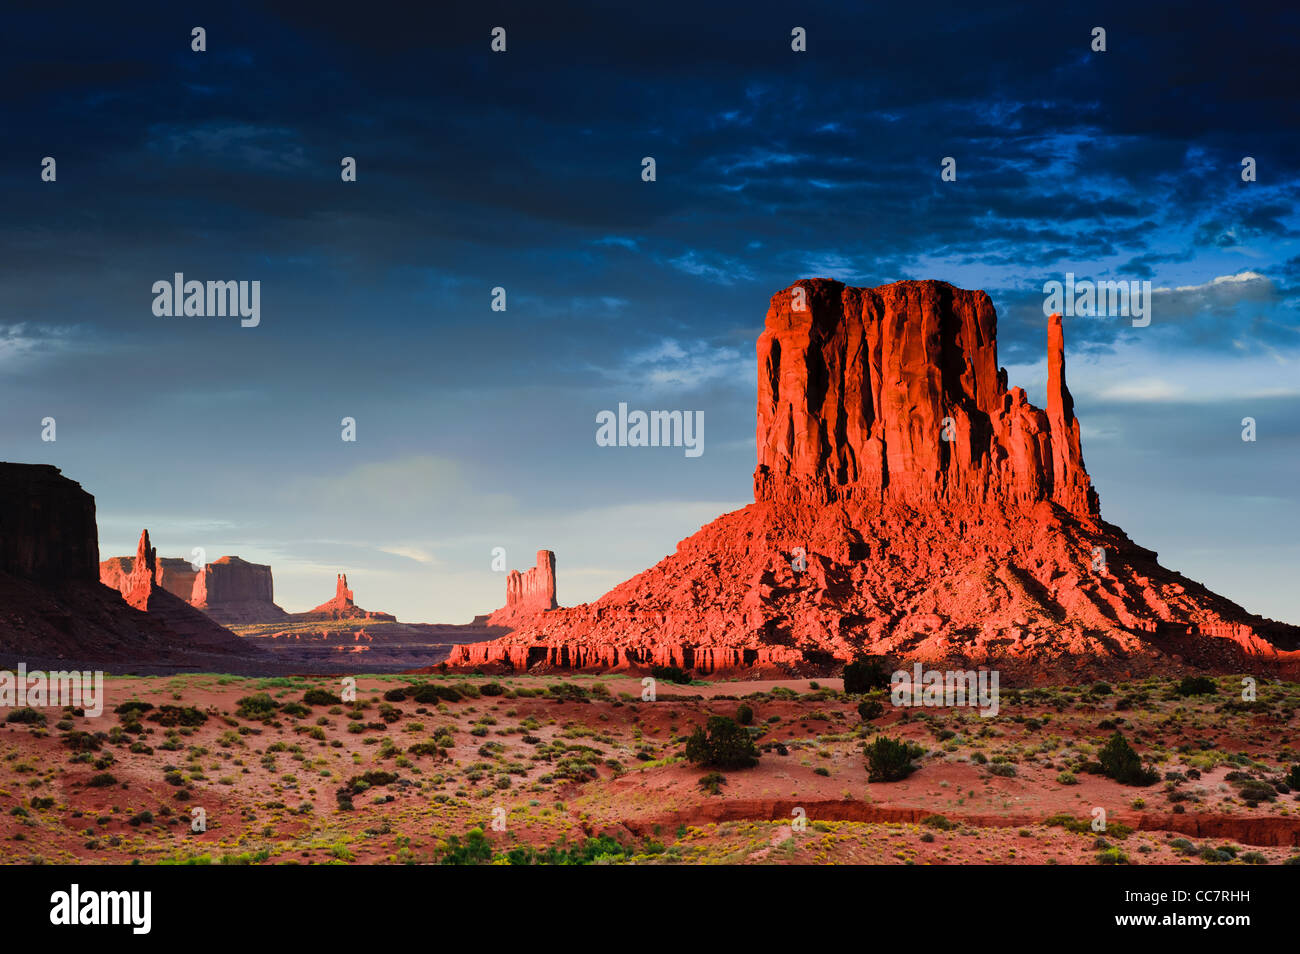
(522, 170)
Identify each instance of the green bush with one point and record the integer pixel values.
(432, 692)
(744, 714)
(1292, 779)
(671, 674)
(259, 706)
(1196, 686)
(1120, 762)
(172, 716)
(869, 709)
(320, 697)
(27, 716)
(395, 695)
(890, 760)
(475, 850)
(866, 673)
(492, 689)
(725, 744)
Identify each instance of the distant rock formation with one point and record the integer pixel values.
(342, 606)
(141, 590)
(53, 609)
(231, 590)
(906, 503)
(528, 594)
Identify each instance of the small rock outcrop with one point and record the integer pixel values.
(528, 593)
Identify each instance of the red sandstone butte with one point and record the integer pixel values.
(234, 591)
(229, 590)
(528, 594)
(141, 590)
(906, 502)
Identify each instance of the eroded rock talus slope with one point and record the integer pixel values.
(906, 501)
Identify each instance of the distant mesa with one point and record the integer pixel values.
(229, 590)
(908, 503)
(342, 607)
(528, 594)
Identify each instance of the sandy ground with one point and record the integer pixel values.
(545, 770)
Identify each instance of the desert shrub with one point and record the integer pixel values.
(320, 697)
(102, 780)
(866, 673)
(869, 709)
(1003, 769)
(295, 709)
(890, 760)
(1254, 791)
(26, 716)
(258, 706)
(1067, 778)
(372, 779)
(395, 695)
(1112, 856)
(132, 707)
(172, 716)
(671, 674)
(493, 689)
(567, 692)
(744, 714)
(1120, 762)
(940, 822)
(80, 741)
(433, 692)
(1196, 686)
(724, 744)
(713, 782)
(1292, 778)
(475, 850)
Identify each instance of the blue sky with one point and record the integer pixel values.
(523, 170)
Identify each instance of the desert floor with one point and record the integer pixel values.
(583, 766)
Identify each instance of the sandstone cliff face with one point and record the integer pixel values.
(895, 393)
(175, 575)
(528, 593)
(872, 532)
(231, 590)
(47, 525)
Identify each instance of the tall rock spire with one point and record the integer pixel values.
(1071, 486)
